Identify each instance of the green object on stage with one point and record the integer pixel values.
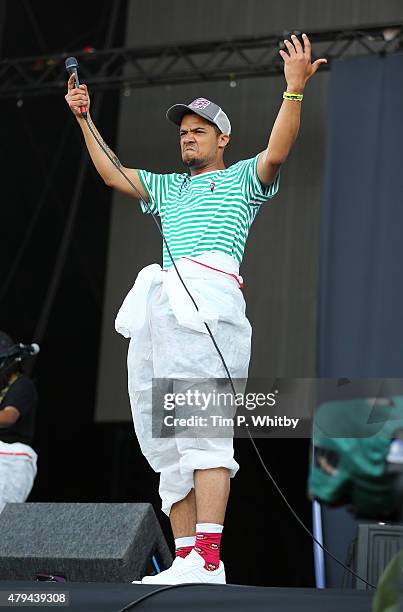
(351, 440)
(388, 592)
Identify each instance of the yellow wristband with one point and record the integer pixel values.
(293, 96)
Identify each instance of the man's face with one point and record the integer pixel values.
(199, 141)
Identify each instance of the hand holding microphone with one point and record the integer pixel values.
(77, 95)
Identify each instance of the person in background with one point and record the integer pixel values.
(18, 402)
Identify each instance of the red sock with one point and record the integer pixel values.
(183, 546)
(208, 546)
(183, 551)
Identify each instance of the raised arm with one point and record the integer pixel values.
(297, 70)
(77, 98)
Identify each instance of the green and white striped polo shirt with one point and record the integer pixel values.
(212, 211)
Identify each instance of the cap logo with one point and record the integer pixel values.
(199, 103)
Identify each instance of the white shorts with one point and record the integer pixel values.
(17, 472)
(165, 349)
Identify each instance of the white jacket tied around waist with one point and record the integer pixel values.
(220, 297)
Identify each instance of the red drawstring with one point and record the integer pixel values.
(216, 270)
(17, 454)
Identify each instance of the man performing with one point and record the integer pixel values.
(18, 400)
(206, 215)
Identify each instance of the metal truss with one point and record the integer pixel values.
(229, 59)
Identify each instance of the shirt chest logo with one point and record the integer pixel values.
(188, 191)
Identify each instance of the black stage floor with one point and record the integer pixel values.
(112, 597)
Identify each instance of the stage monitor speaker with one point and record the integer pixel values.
(83, 542)
(377, 544)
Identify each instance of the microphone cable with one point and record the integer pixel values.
(277, 487)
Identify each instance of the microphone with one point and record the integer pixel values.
(72, 68)
(21, 350)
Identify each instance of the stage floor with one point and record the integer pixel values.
(112, 597)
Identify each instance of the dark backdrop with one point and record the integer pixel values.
(78, 459)
(360, 331)
(361, 286)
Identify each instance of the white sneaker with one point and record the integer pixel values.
(188, 569)
(166, 573)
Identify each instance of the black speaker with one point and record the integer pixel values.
(83, 542)
(377, 544)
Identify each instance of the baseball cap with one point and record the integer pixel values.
(203, 107)
(6, 343)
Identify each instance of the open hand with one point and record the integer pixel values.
(77, 97)
(297, 63)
